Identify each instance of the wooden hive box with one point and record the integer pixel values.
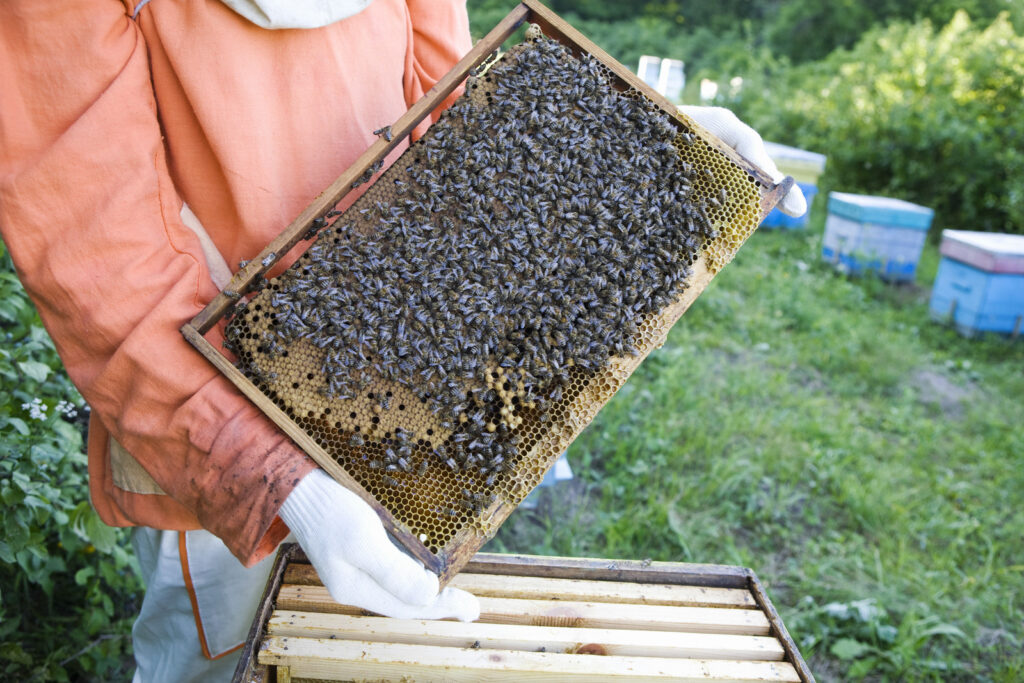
(542, 619)
(979, 286)
(440, 509)
(880, 234)
(805, 167)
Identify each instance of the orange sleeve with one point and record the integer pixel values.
(91, 218)
(439, 37)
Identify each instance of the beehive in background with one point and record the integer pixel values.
(805, 167)
(449, 335)
(870, 233)
(979, 286)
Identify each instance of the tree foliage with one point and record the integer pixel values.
(709, 36)
(907, 98)
(66, 583)
(931, 115)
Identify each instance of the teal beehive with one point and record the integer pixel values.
(880, 234)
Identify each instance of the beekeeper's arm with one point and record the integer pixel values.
(93, 224)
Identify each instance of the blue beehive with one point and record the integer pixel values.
(885, 235)
(980, 283)
(805, 167)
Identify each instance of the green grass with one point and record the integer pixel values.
(863, 460)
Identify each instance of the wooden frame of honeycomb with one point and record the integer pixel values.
(442, 516)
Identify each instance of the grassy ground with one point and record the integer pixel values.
(863, 460)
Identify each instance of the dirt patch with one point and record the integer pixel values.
(936, 388)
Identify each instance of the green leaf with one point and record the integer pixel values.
(848, 648)
(39, 334)
(19, 425)
(678, 526)
(887, 633)
(101, 535)
(863, 667)
(8, 624)
(34, 501)
(11, 495)
(84, 574)
(13, 652)
(944, 630)
(35, 370)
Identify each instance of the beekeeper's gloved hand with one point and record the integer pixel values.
(745, 140)
(359, 565)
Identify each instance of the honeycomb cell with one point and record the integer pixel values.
(451, 333)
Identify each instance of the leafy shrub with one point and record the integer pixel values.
(67, 585)
(931, 116)
(862, 634)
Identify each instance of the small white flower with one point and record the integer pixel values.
(67, 408)
(36, 409)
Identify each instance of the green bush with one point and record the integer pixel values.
(924, 114)
(67, 584)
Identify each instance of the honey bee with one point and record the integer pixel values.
(534, 234)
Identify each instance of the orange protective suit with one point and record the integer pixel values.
(109, 124)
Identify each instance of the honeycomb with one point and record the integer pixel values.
(450, 334)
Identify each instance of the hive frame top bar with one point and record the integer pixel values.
(527, 11)
(610, 570)
(304, 227)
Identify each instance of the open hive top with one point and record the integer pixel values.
(449, 335)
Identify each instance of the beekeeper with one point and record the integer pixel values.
(146, 147)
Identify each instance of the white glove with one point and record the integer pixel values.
(729, 129)
(358, 564)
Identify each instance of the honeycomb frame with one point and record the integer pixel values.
(445, 553)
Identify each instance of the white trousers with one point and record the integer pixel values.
(199, 604)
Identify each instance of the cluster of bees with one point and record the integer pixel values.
(534, 228)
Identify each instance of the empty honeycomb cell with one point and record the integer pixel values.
(449, 335)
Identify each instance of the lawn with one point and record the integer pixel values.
(865, 461)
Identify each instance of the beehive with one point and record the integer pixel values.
(870, 233)
(542, 618)
(979, 286)
(407, 352)
(805, 167)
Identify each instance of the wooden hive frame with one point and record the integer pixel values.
(593, 619)
(469, 539)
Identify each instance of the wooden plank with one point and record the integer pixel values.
(638, 571)
(793, 655)
(533, 588)
(566, 613)
(347, 660)
(246, 669)
(327, 199)
(539, 588)
(526, 638)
